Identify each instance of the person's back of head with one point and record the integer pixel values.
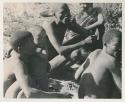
(59, 6)
(61, 10)
(19, 39)
(110, 34)
(112, 43)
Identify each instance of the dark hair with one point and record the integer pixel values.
(88, 4)
(110, 34)
(61, 6)
(19, 38)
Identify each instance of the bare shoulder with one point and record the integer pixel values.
(9, 67)
(95, 53)
(9, 63)
(46, 24)
(108, 61)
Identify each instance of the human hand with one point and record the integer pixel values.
(90, 39)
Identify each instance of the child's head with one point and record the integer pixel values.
(112, 42)
(22, 42)
(86, 7)
(62, 12)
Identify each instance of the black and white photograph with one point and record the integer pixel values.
(62, 50)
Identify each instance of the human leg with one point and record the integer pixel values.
(13, 90)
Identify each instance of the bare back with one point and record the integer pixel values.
(98, 76)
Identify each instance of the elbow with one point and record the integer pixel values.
(61, 51)
(100, 22)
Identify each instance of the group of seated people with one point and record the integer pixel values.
(30, 59)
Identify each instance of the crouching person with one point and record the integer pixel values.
(25, 71)
(100, 74)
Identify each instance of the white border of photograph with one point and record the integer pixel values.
(62, 100)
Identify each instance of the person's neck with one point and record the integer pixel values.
(104, 50)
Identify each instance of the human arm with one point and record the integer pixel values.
(22, 77)
(116, 73)
(58, 45)
(100, 20)
(82, 67)
(29, 92)
(75, 27)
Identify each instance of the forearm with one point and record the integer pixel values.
(79, 29)
(68, 49)
(99, 21)
(78, 73)
(57, 61)
(117, 78)
(118, 83)
(75, 46)
(92, 26)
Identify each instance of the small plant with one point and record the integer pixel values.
(113, 17)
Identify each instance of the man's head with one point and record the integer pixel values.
(22, 42)
(86, 7)
(112, 42)
(62, 12)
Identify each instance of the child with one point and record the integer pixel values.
(102, 69)
(25, 70)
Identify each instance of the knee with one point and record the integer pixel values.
(74, 55)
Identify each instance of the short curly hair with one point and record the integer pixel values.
(110, 34)
(19, 38)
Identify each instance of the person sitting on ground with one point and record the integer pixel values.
(100, 74)
(91, 18)
(25, 72)
(56, 29)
